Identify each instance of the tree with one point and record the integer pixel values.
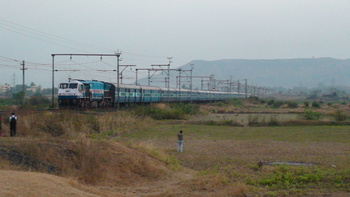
(18, 97)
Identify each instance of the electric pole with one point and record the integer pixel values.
(23, 88)
(246, 88)
(169, 58)
(238, 86)
(118, 90)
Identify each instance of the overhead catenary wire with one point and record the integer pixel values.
(45, 37)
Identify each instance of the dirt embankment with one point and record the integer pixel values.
(102, 169)
(18, 183)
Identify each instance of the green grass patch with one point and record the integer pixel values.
(301, 177)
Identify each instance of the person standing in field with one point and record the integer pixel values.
(13, 124)
(179, 141)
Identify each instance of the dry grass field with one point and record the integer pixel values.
(96, 153)
(233, 153)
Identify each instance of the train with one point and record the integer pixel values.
(99, 94)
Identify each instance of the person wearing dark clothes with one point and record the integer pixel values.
(179, 141)
(13, 124)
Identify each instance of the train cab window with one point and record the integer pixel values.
(64, 85)
(73, 85)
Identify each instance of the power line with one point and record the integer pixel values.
(10, 26)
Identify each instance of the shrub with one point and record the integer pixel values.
(315, 104)
(160, 114)
(253, 120)
(189, 109)
(235, 102)
(273, 121)
(306, 104)
(39, 101)
(311, 115)
(270, 102)
(291, 104)
(340, 115)
(253, 98)
(277, 104)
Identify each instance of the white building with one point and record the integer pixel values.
(4, 88)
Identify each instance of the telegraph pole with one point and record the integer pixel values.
(192, 66)
(118, 56)
(246, 88)
(53, 82)
(238, 86)
(169, 58)
(23, 89)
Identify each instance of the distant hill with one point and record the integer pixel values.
(271, 72)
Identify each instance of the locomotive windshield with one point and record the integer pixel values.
(68, 85)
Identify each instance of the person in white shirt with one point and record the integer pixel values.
(13, 124)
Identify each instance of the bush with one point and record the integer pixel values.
(273, 121)
(277, 104)
(270, 102)
(234, 102)
(160, 114)
(340, 115)
(311, 115)
(315, 104)
(39, 101)
(291, 104)
(306, 104)
(253, 98)
(253, 120)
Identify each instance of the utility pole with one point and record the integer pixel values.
(118, 90)
(238, 87)
(53, 82)
(23, 88)
(246, 88)
(180, 85)
(192, 67)
(169, 58)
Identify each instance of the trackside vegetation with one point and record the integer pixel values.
(239, 147)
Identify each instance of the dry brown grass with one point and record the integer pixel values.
(71, 123)
(15, 183)
(81, 147)
(90, 162)
(59, 143)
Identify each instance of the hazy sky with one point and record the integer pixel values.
(149, 31)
